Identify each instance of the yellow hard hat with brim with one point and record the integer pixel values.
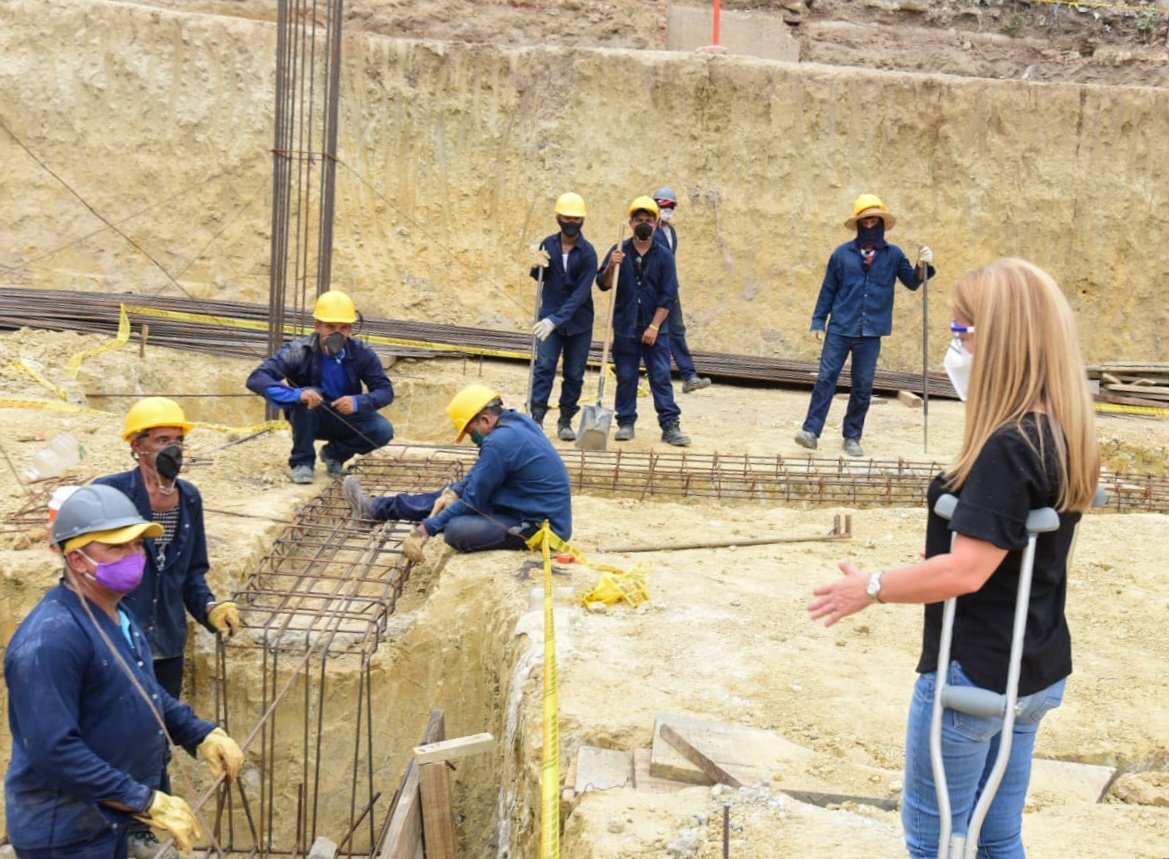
(646, 203)
(870, 206)
(467, 403)
(335, 306)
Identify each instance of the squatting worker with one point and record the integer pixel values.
(175, 576)
(84, 706)
(667, 200)
(318, 380)
(647, 287)
(1029, 442)
(518, 482)
(566, 263)
(856, 308)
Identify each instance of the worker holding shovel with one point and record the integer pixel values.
(646, 290)
(565, 267)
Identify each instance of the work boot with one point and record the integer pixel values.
(538, 412)
(360, 504)
(624, 433)
(302, 474)
(807, 439)
(695, 383)
(852, 446)
(144, 844)
(672, 434)
(333, 467)
(564, 430)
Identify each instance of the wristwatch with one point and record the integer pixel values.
(874, 587)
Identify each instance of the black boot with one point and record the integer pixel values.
(564, 426)
(538, 412)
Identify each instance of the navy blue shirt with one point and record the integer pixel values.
(81, 731)
(860, 302)
(643, 287)
(180, 579)
(300, 364)
(567, 294)
(518, 474)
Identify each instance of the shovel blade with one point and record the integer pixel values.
(595, 423)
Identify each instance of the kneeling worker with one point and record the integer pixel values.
(517, 483)
(318, 380)
(84, 705)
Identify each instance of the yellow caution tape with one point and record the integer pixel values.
(550, 763)
(25, 366)
(1120, 408)
(73, 367)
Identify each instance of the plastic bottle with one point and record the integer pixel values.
(55, 458)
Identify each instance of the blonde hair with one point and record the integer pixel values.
(1027, 359)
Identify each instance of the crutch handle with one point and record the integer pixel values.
(974, 701)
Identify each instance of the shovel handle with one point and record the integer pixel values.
(616, 278)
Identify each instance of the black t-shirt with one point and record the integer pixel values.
(1009, 479)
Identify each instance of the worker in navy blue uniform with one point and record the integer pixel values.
(566, 264)
(84, 707)
(667, 200)
(518, 482)
(174, 582)
(647, 287)
(856, 308)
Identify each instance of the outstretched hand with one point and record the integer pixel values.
(839, 599)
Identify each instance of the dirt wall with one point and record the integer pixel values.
(452, 155)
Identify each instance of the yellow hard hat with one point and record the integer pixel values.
(466, 404)
(571, 205)
(870, 206)
(334, 306)
(646, 203)
(151, 412)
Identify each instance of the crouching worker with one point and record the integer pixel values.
(517, 483)
(318, 380)
(84, 706)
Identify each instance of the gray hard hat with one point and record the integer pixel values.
(98, 508)
(665, 193)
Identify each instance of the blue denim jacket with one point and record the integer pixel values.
(181, 580)
(860, 302)
(299, 364)
(81, 732)
(567, 295)
(639, 295)
(519, 474)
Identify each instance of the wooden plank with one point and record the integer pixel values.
(644, 781)
(752, 755)
(824, 800)
(1070, 781)
(403, 838)
(690, 752)
(602, 769)
(908, 398)
(1151, 391)
(438, 817)
(449, 750)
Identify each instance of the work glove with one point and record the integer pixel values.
(173, 816)
(222, 754)
(543, 328)
(540, 258)
(412, 546)
(925, 257)
(448, 497)
(225, 618)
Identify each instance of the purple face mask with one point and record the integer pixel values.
(120, 576)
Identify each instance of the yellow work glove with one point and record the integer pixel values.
(222, 754)
(173, 816)
(225, 618)
(448, 497)
(412, 546)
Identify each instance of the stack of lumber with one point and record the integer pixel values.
(1133, 384)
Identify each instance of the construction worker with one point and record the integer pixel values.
(175, 577)
(667, 201)
(318, 381)
(84, 706)
(566, 263)
(1030, 442)
(857, 295)
(647, 287)
(518, 482)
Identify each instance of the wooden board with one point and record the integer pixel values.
(1069, 780)
(403, 839)
(438, 817)
(647, 783)
(749, 755)
(602, 769)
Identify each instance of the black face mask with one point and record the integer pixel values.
(334, 344)
(570, 229)
(874, 235)
(168, 462)
(643, 231)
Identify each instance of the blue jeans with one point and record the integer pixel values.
(969, 745)
(348, 435)
(837, 348)
(576, 355)
(628, 354)
(469, 533)
(679, 349)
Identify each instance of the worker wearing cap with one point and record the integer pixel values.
(518, 482)
(854, 311)
(566, 264)
(85, 710)
(174, 582)
(647, 287)
(667, 200)
(318, 381)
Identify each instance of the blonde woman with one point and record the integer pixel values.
(1029, 442)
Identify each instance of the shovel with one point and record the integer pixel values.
(596, 421)
(535, 342)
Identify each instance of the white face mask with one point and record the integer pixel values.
(958, 363)
(667, 214)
